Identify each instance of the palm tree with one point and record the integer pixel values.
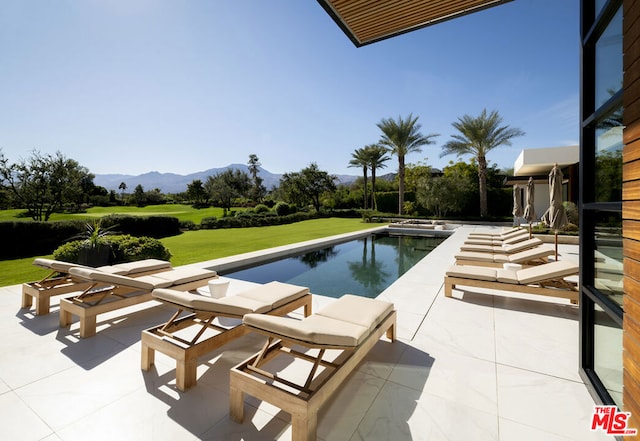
(122, 187)
(402, 137)
(477, 137)
(377, 156)
(360, 159)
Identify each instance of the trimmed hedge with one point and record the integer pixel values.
(245, 220)
(152, 226)
(26, 238)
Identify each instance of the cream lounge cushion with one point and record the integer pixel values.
(181, 276)
(511, 239)
(345, 322)
(473, 272)
(139, 266)
(159, 280)
(230, 305)
(506, 249)
(127, 268)
(315, 329)
(499, 234)
(551, 270)
(475, 255)
(275, 294)
(519, 257)
(56, 265)
(524, 256)
(525, 276)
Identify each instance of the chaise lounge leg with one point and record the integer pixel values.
(87, 326)
(148, 357)
(27, 300)
(65, 318)
(186, 373)
(43, 304)
(236, 404)
(448, 287)
(304, 426)
(391, 332)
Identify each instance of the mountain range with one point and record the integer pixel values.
(174, 183)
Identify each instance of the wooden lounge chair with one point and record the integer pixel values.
(351, 324)
(509, 240)
(171, 339)
(109, 292)
(504, 249)
(547, 279)
(532, 256)
(58, 281)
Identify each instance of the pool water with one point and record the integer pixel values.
(363, 267)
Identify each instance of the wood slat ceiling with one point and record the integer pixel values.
(368, 21)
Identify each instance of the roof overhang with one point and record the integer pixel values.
(368, 21)
(541, 160)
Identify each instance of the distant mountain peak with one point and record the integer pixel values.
(175, 183)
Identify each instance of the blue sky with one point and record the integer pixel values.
(130, 87)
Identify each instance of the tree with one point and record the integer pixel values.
(448, 193)
(122, 187)
(258, 190)
(43, 184)
(377, 156)
(415, 175)
(224, 187)
(139, 196)
(477, 137)
(308, 185)
(197, 193)
(402, 137)
(361, 159)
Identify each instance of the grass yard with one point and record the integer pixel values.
(201, 245)
(181, 211)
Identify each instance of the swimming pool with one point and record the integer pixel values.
(364, 266)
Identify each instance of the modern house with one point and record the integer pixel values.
(536, 163)
(609, 171)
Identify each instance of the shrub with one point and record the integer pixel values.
(188, 225)
(261, 208)
(129, 248)
(124, 248)
(209, 223)
(572, 212)
(282, 209)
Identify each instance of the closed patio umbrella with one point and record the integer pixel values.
(556, 216)
(529, 210)
(517, 204)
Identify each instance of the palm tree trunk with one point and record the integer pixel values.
(482, 184)
(400, 183)
(374, 204)
(364, 172)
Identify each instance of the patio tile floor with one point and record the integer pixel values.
(479, 366)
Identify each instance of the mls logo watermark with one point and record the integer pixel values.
(611, 421)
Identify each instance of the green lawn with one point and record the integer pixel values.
(201, 245)
(181, 211)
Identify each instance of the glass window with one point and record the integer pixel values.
(599, 5)
(609, 61)
(608, 179)
(608, 354)
(608, 255)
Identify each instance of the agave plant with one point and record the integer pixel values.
(95, 234)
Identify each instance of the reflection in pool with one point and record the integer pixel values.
(363, 267)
